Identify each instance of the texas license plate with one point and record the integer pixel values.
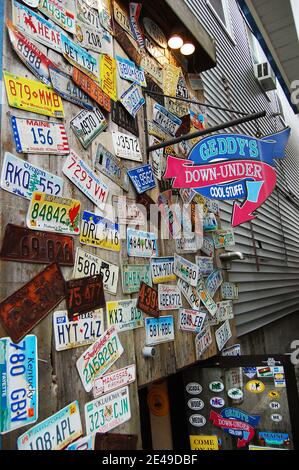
(87, 264)
(186, 270)
(80, 58)
(84, 295)
(86, 180)
(114, 380)
(19, 383)
(65, 87)
(84, 330)
(22, 178)
(162, 270)
(142, 178)
(42, 137)
(133, 275)
(128, 212)
(124, 315)
(148, 300)
(126, 146)
(97, 40)
(31, 246)
(99, 357)
(159, 330)
(62, 13)
(141, 244)
(112, 167)
(53, 214)
(87, 125)
(167, 121)
(55, 432)
(169, 297)
(191, 320)
(99, 232)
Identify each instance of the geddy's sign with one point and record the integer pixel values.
(231, 166)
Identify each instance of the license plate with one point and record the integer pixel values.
(133, 275)
(32, 96)
(30, 246)
(212, 206)
(224, 311)
(171, 75)
(122, 18)
(132, 99)
(42, 137)
(87, 264)
(167, 121)
(19, 383)
(97, 40)
(148, 300)
(128, 70)
(191, 320)
(124, 315)
(84, 294)
(186, 245)
(122, 118)
(114, 380)
(80, 58)
(156, 52)
(147, 202)
(23, 310)
(162, 270)
(66, 88)
(169, 297)
(55, 432)
(203, 341)
(107, 412)
(210, 223)
(99, 232)
(61, 13)
(53, 214)
(88, 15)
(142, 178)
(223, 238)
(223, 335)
(208, 302)
(86, 180)
(87, 125)
(213, 282)
(205, 265)
(178, 108)
(229, 291)
(99, 357)
(155, 32)
(159, 330)
(141, 244)
(152, 67)
(128, 212)
(126, 146)
(85, 443)
(190, 294)
(108, 76)
(186, 270)
(207, 247)
(35, 26)
(157, 159)
(89, 86)
(112, 167)
(87, 329)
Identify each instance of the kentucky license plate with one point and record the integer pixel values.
(112, 167)
(19, 383)
(124, 315)
(159, 330)
(66, 88)
(162, 270)
(87, 125)
(22, 178)
(141, 244)
(55, 432)
(142, 178)
(53, 214)
(36, 136)
(99, 232)
(167, 121)
(169, 297)
(126, 146)
(87, 264)
(133, 275)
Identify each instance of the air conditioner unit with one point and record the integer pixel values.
(265, 75)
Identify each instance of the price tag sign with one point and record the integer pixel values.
(84, 295)
(169, 297)
(99, 232)
(148, 300)
(61, 13)
(162, 270)
(97, 40)
(65, 87)
(87, 125)
(92, 89)
(223, 335)
(141, 244)
(159, 330)
(186, 270)
(124, 315)
(192, 321)
(133, 275)
(167, 121)
(142, 178)
(126, 146)
(112, 167)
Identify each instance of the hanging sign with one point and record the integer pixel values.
(133, 275)
(142, 178)
(255, 386)
(191, 295)
(108, 76)
(141, 244)
(19, 383)
(169, 297)
(114, 380)
(92, 89)
(167, 121)
(148, 300)
(112, 167)
(135, 10)
(128, 212)
(132, 99)
(155, 32)
(124, 315)
(84, 294)
(88, 15)
(32, 96)
(62, 13)
(128, 70)
(159, 330)
(66, 88)
(93, 39)
(203, 341)
(246, 170)
(80, 58)
(99, 232)
(162, 270)
(87, 125)
(192, 321)
(41, 137)
(126, 146)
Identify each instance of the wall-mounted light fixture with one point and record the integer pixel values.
(187, 49)
(175, 42)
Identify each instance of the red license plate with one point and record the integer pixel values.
(84, 295)
(148, 300)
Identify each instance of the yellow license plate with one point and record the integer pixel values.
(99, 232)
(32, 96)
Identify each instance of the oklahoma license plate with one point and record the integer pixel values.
(80, 58)
(19, 383)
(169, 297)
(124, 315)
(141, 244)
(62, 13)
(65, 87)
(87, 125)
(133, 275)
(36, 136)
(162, 270)
(87, 264)
(159, 330)
(86, 180)
(126, 146)
(186, 270)
(142, 178)
(167, 121)
(99, 232)
(55, 432)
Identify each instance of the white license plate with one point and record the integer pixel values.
(55, 432)
(86, 180)
(229, 291)
(223, 335)
(192, 321)
(152, 67)
(223, 238)
(208, 302)
(22, 178)
(126, 146)
(186, 270)
(97, 40)
(88, 15)
(87, 125)
(36, 136)
(169, 297)
(113, 380)
(224, 312)
(205, 265)
(207, 247)
(61, 13)
(168, 122)
(66, 88)
(87, 328)
(141, 244)
(190, 294)
(203, 341)
(159, 330)
(162, 270)
(188, 245)
(132, 99)
(213, 282)
(124, 315)
(112, 167)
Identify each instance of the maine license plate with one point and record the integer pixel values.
(31, 246)
(169, 297)
(85, 330)
(53, 214)
(190, 294)
(141, 244)
(159, 330)
(124, 315)
(32, 96)
(114, 380)
(84, 295)
(112, 167)
(128, 212)
(223, 335)
(99, 357)
(186, 270)
(142, 178)
(162, 270)
(62, 13)
(167, 121)
(66, 88)
(36, 136)
(97, 40)
(22, 178)
(86, 180)
(19, 383)
(191, 320)
(80, 58)
(108, 412)
(133, 275)
(87, 125)
(99, 232)
(126, 146)
(55, 432)
(87, 264)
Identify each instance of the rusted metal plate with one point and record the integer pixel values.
(84, 295)
(93, 90)
(153, 86)
(24, 309)
(123, 119)
(115, 441)
(148, 300)
(33, 246)
(184, 127)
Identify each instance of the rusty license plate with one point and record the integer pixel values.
(148, 300)
(23, 310)
(33, 246)
(114, 441)
(84, 295)
(93, 90)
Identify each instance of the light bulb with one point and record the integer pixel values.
(188, 48)
(175, 42)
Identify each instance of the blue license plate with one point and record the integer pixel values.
(142, 178)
